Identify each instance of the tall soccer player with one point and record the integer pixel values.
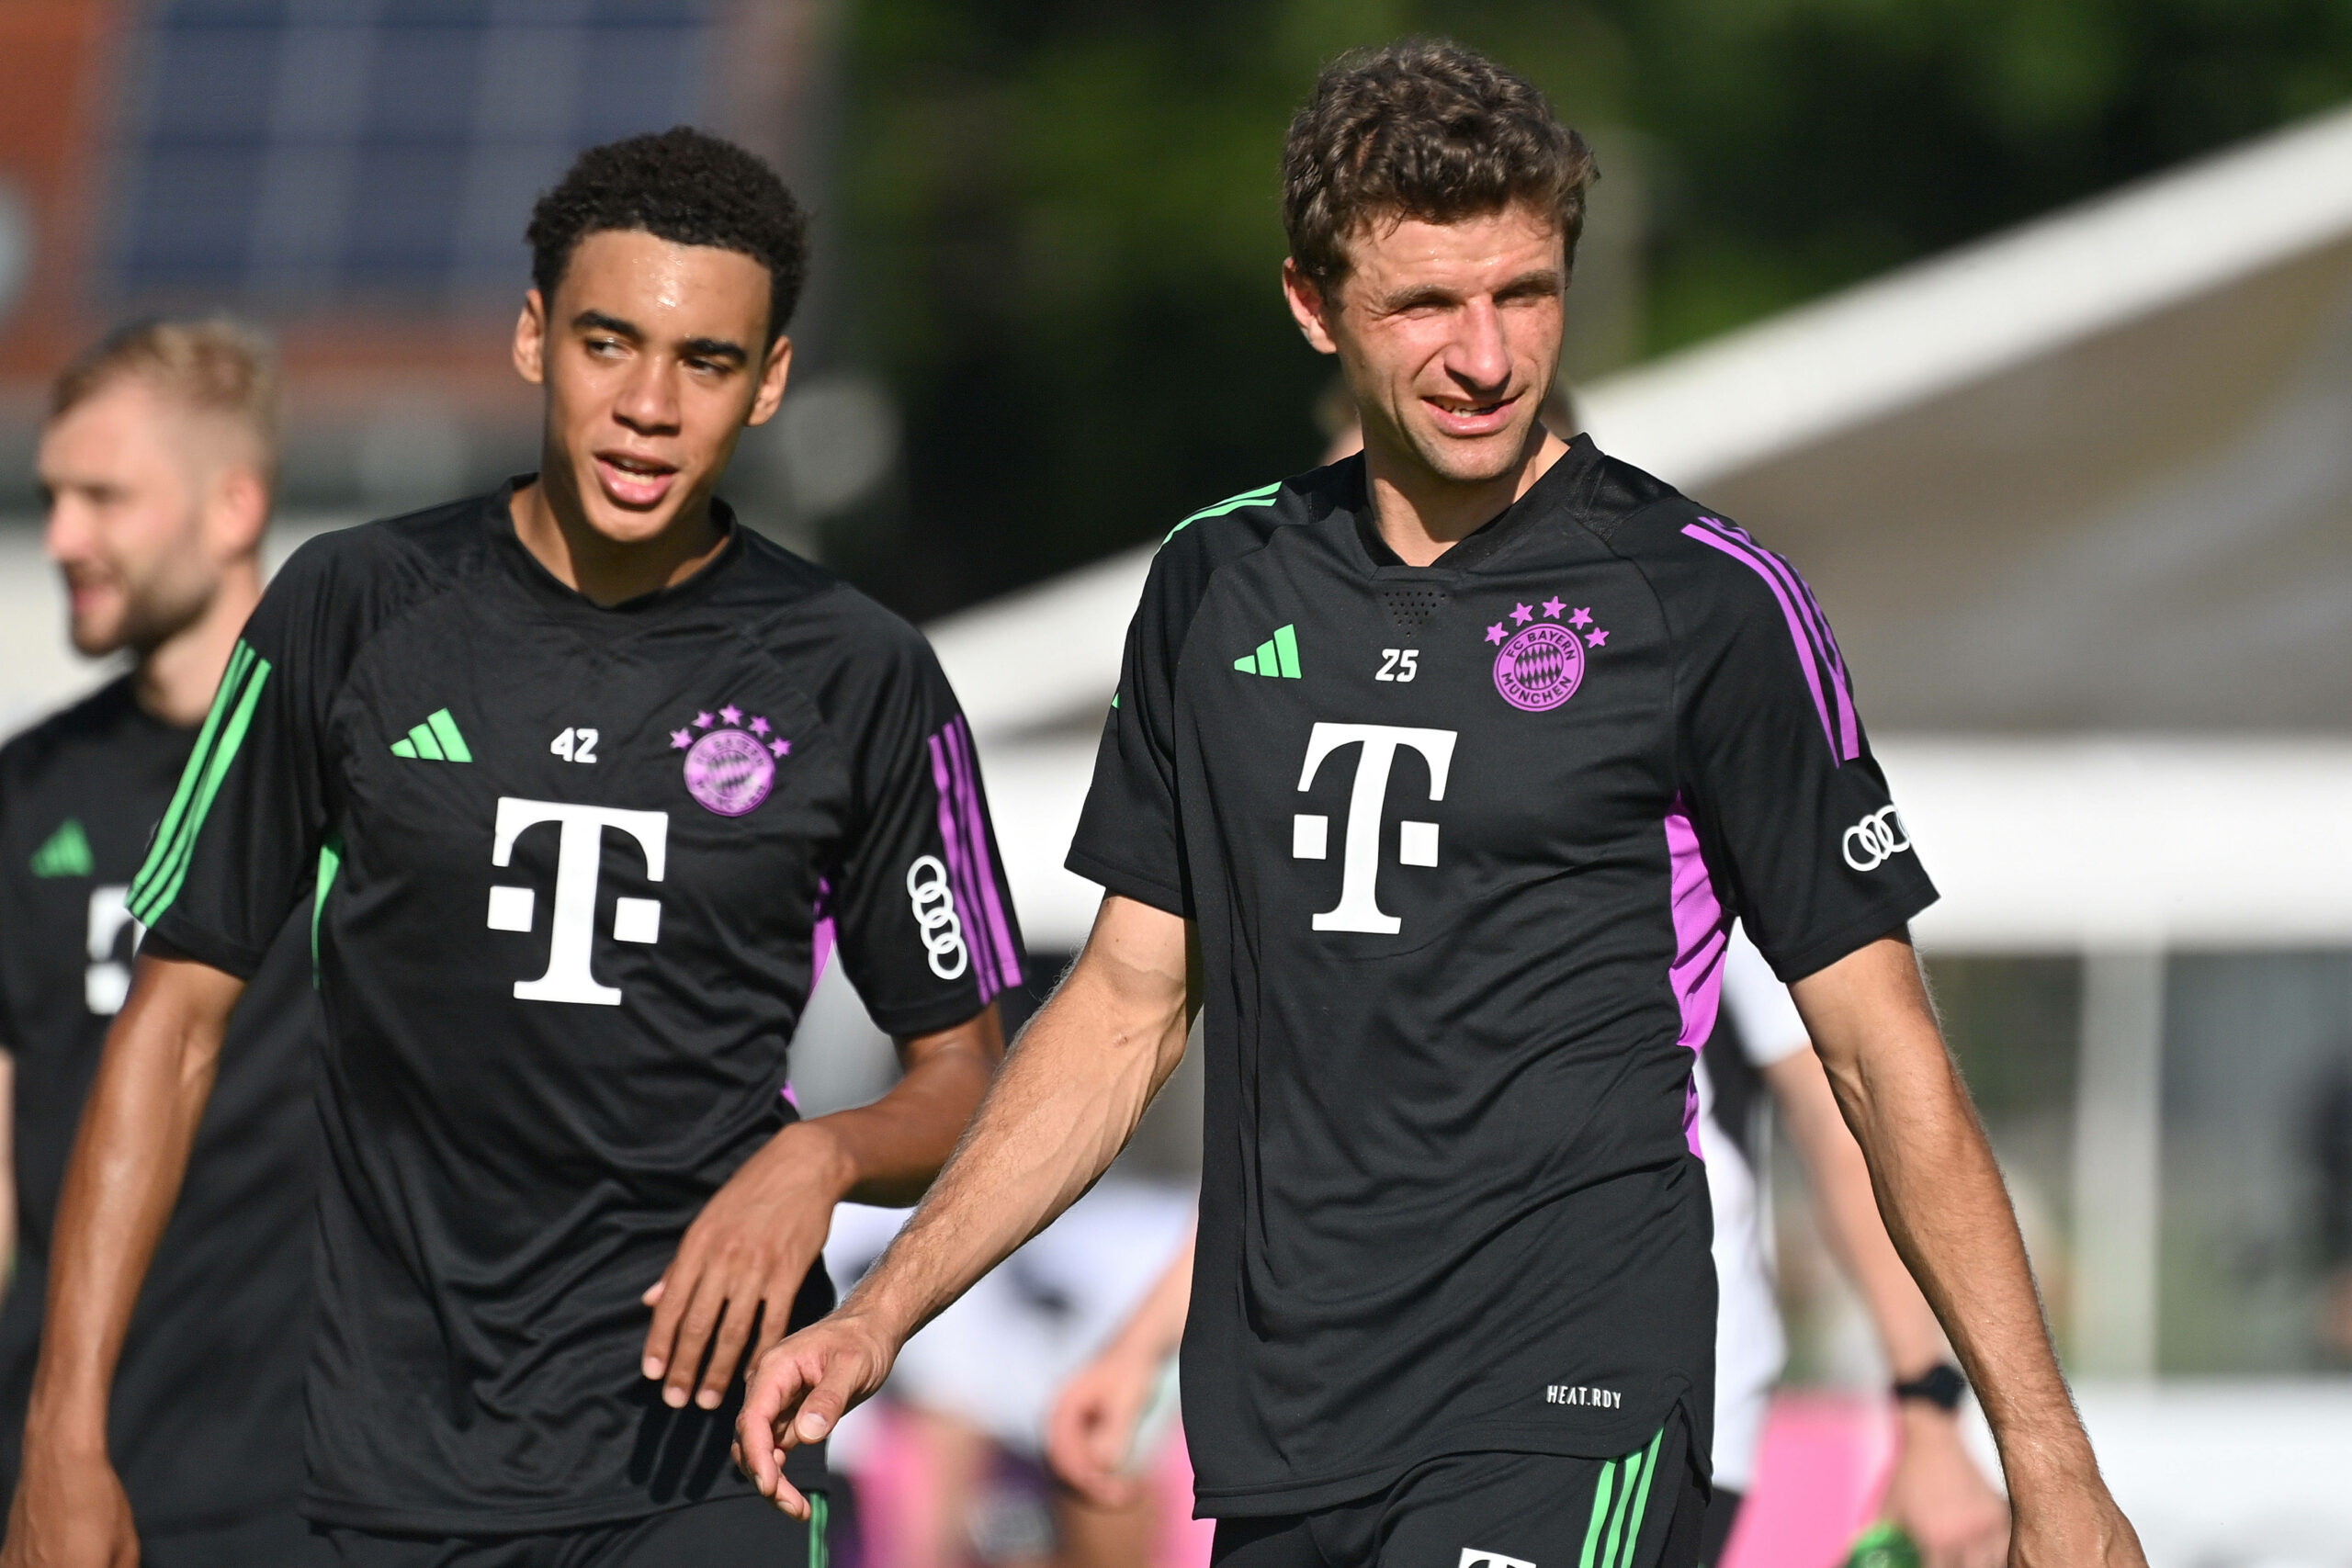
(1455, 765)
(579, 782)
(158, 459)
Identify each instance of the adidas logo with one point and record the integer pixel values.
(65, 852)
(1278, 655)
(434, 740)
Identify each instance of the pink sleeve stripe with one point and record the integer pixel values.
(965, 770)
(1811, 657)
(959, 868)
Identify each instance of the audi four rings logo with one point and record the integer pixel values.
(1875, 840)
(935, 907)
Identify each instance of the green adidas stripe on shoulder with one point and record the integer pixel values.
(158, 882)
(1262, 496)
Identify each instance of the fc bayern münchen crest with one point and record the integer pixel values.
(1541, 668)
(730, 770)
(1542, 665)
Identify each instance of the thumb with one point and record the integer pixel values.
(653, 1296)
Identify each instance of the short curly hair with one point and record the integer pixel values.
(681, 185)
(1422, 128)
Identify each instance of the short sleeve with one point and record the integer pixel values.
(921, 911)
(1765, 1020)
(1130, 834)
(1792, 810)
(238, 846)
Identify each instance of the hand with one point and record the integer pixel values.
(743, 1257)
(1939, 1497)
(1091, 1433)
(800, 1390)
(70, 1512)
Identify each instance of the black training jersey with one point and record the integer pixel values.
(1464, 843)
(206, 1421)
(572, 871)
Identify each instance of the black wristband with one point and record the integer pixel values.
(1940, 1385)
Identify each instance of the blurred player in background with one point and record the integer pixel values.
(1454, 938)
(157, 462)
(972, 1390)
(1934, 1492)
(579, 783)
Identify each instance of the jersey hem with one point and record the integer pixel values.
(1305, 1497)
(1127, 884)
(1851, 937)
(342, 1513)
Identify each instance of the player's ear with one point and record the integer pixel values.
(1308, 307)
(774, 372)
(531, 339)
(240, 509)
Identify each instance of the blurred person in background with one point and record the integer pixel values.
(157, 462)
(971, 1393)
(1453, 1288)
(564, 1191)
(2328, 1140)
(1934, 1492)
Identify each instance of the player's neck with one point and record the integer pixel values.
(1422, 514)
(605, 570)
(175, 680)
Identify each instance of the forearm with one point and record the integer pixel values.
(1907, 1326)
(889, 1152)
(1157, 1326)
(1943, 1198)
(123, 1179)
(1065, 1102)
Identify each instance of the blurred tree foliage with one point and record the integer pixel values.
(1062, 234)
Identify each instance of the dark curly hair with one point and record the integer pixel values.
(1422, 128)
(685, 185)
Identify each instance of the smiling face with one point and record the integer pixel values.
(654, 356)
(149, 500)
(1449, 336)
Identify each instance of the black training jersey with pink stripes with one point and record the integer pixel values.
(572, 871)
(1464, 844)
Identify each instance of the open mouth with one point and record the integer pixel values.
(1456, 417)
(631, 480)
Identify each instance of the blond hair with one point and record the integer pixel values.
(217, 364)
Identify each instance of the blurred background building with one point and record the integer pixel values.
(2024, 326)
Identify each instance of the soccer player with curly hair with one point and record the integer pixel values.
(1436, 780)
(578, 784)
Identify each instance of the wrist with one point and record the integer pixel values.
(818, 1149)
(66, 1429)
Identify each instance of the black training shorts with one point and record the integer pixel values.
(1496, 1510)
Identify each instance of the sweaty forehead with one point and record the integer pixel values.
(663, 285)
(1401, 250)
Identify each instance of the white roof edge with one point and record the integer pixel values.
(1815, 370)
(1046, 653)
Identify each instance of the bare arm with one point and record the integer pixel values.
(1948, 1215)
(1067, 1101)
(127, 1163)
(1090, 1432)
(1936, 1493)
(744, 1256)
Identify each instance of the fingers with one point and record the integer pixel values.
(775, 1387)
(726, 1350)
(696, 1325)
(667, 1298)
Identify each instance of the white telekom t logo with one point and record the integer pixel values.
(1359, 907)
(579, 856)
